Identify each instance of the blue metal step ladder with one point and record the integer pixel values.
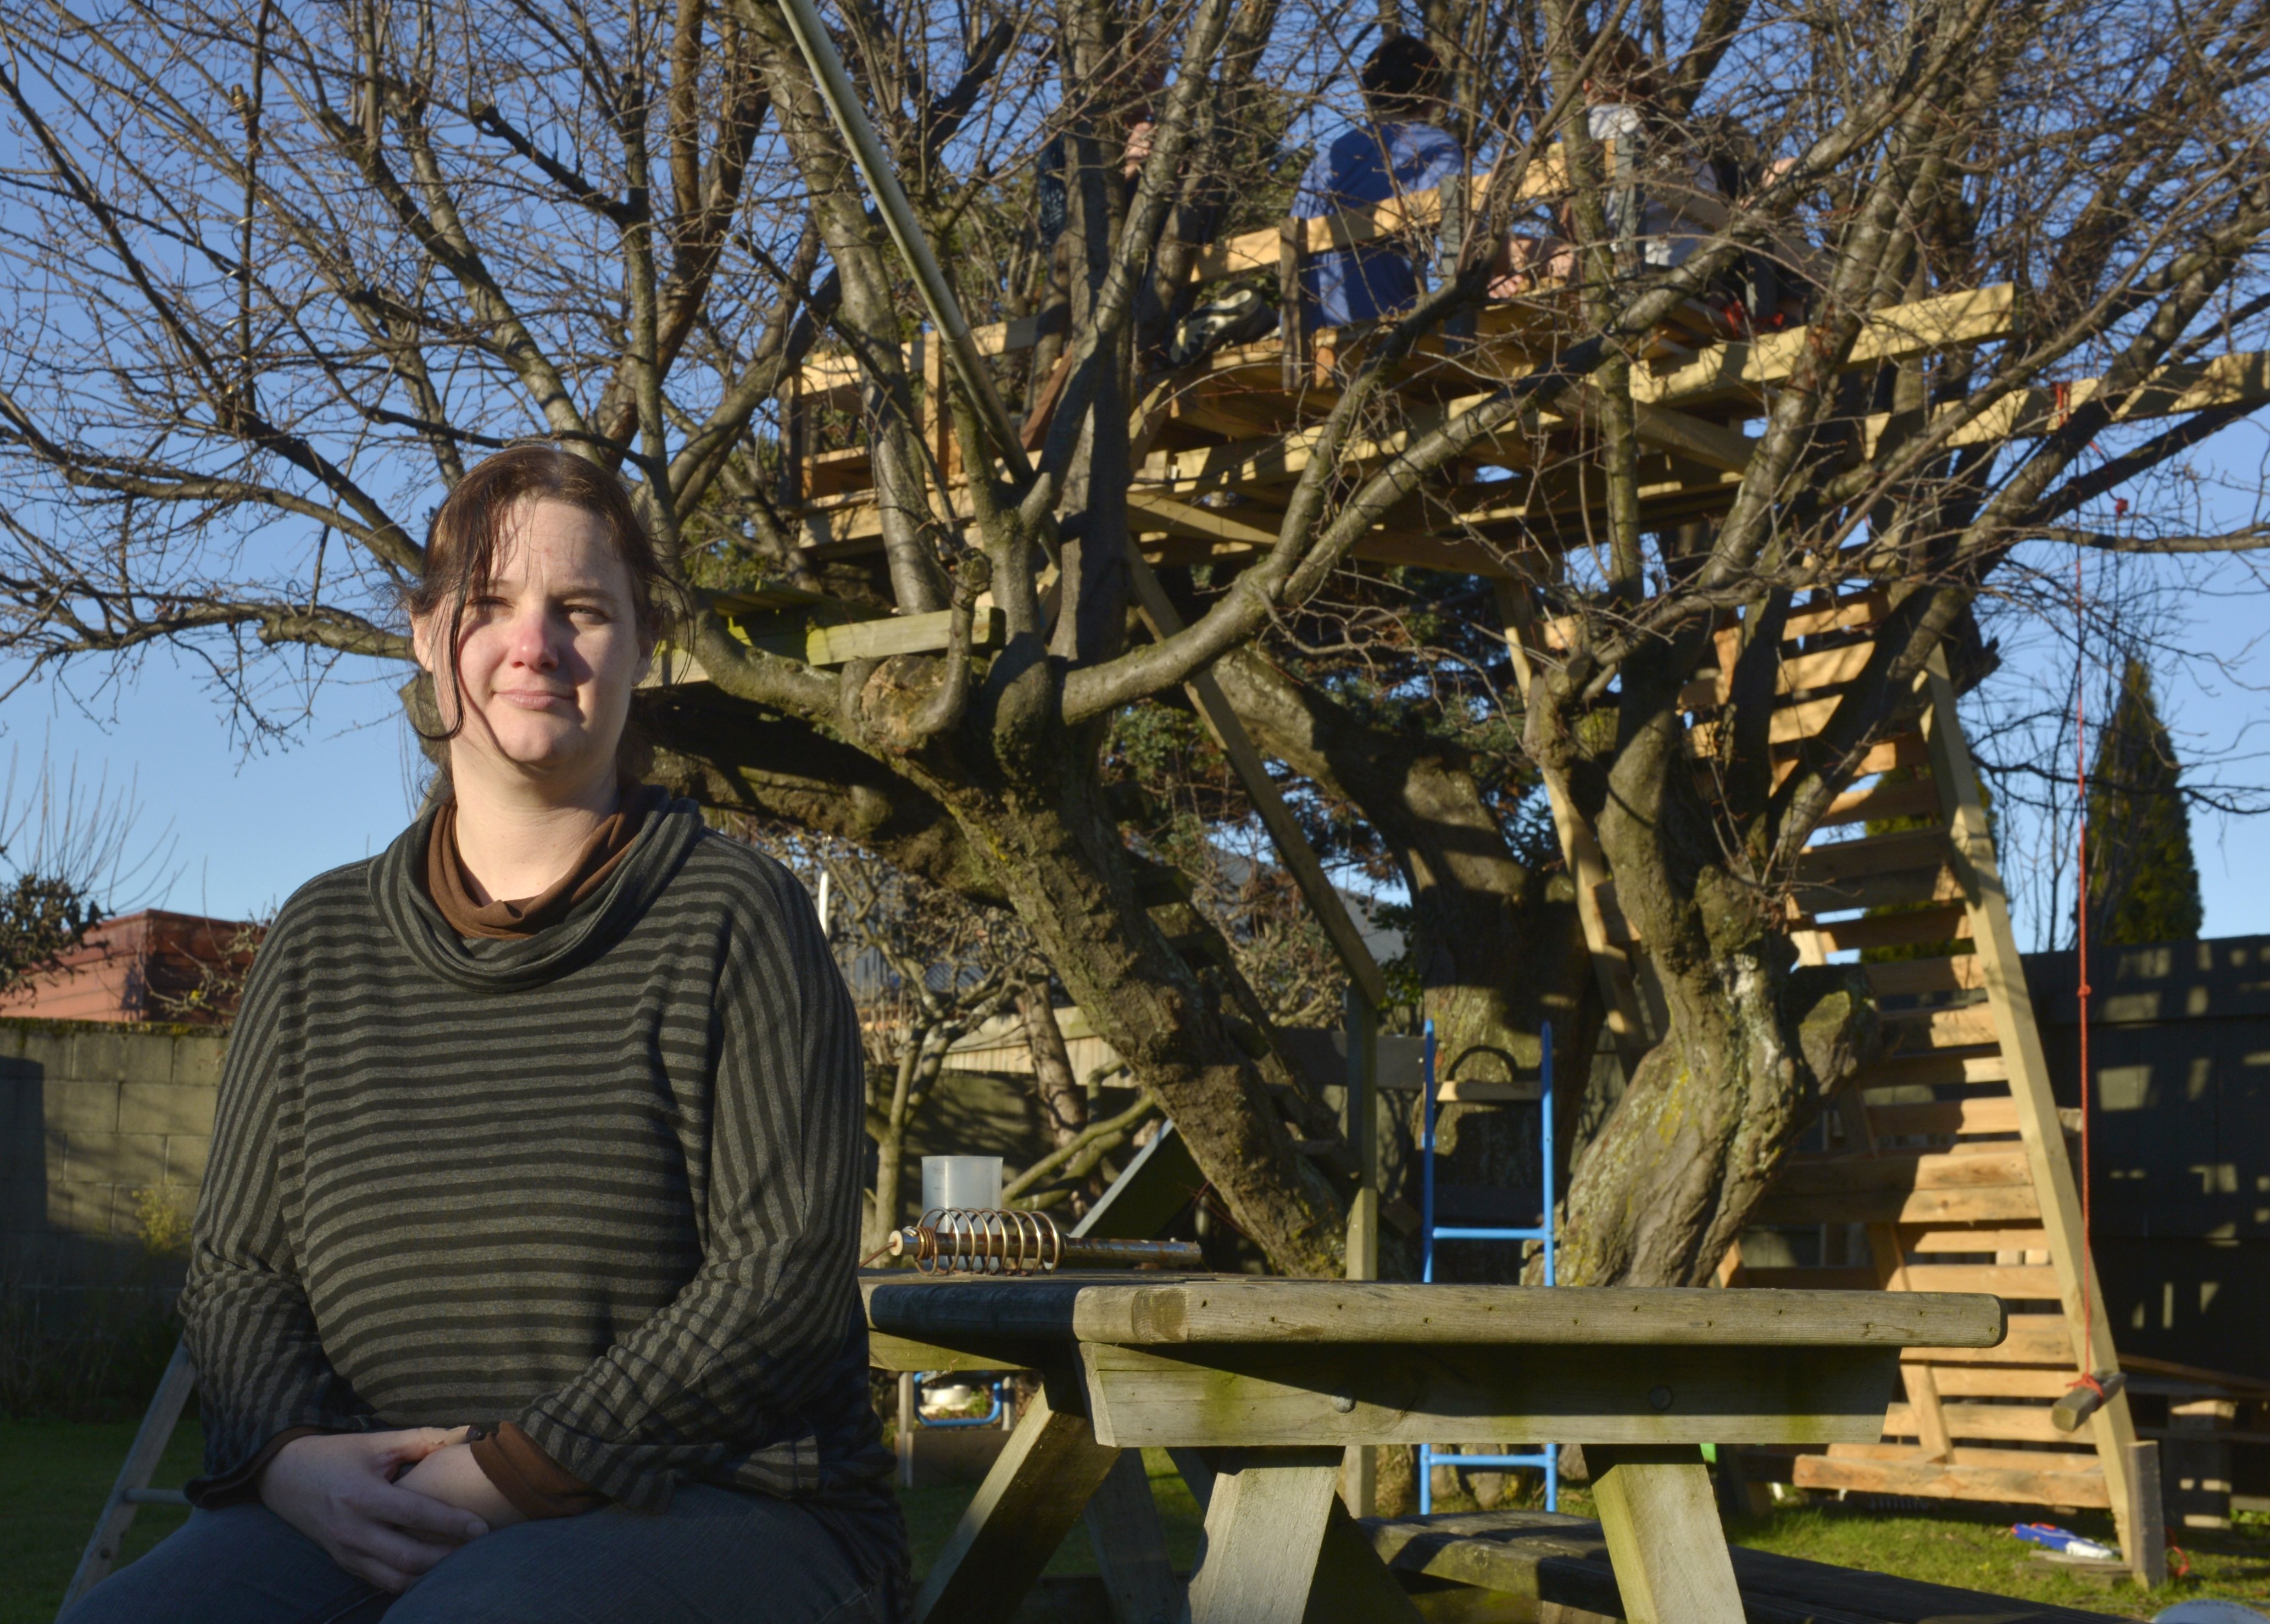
(1487, 1204)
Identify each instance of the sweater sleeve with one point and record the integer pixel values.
(730, 1380)
(262, 1370)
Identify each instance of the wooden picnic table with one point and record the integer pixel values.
(1259, 1386)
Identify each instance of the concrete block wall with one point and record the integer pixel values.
(101, 1124)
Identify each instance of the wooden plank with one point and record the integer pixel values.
(2017, 1280)
(1131, 1546)
(1264, 1525)
(1854, 609)
(1028, 1502)
(1903, 1170)
(1914, 799)
(1949, 922)
(1905, 750)
(2168, 391)
(879, 639)
(1791, 722)
(1904, 852)
(1907, 977)
(1414, 212)
(2033, 1340)
(1280, 1396)
(1992, 1459)
(1939, 1480)
(1798, 674)
(1518, 1557)
(2009, 1423)
(1927, 1419)
(2001, 1382)
(1188, 519)
(1353, 1586)
(1991, 1204)
(1971, 1026)
(992, 1315)
(1660, 1520)
(1953, 1239)
(1896, 890)
(2018, 1036)
(1900, 332)
(2148, 1547)
(1924, 1069)
(1712, 444)
(1984, 1114)
(1234, 1310)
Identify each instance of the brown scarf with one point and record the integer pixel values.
(598, 858)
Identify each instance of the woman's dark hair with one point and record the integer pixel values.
(473, 525)
(1402, 80)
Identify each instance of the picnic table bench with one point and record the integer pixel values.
(1534, 1564)
(1259, 1386)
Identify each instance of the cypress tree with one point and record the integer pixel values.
(2143, 884)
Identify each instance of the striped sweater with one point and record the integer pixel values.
(601, 1182)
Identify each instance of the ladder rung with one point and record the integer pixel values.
(1950, 922)
(1474, 1091)
(1907, 977)
(1898, 853)
(1900, 800)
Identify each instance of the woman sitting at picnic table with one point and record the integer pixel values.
(523, 1281)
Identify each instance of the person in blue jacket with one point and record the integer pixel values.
(1398, 152)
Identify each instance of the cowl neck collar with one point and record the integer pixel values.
(513, 965)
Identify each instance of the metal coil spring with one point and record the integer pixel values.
(982, 1241)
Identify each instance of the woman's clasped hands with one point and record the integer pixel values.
(385, 1506)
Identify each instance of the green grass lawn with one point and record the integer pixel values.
(53, 1476)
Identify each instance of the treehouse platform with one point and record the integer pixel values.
(1948, 1154)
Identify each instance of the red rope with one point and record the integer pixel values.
(2080, 916)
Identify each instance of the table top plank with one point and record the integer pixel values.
(1155, 1310)
(1264, 1396)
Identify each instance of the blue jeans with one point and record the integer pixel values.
(714, 1557)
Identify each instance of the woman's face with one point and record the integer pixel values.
(548, 654)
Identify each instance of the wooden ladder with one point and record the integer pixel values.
(132, 1491)
(1949, 1151)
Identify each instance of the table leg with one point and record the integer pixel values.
(1665, 1541)
(1351, 1585)
(1130, 1546)
(1028, 1504)
(1264, 1526)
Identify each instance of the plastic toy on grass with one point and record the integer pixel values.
(2063, 1541)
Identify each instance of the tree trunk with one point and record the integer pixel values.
(1750, 1050)
(1499, 949)
(1063, 1102)
(1057, 856)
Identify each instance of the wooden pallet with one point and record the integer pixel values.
(1949, 1151)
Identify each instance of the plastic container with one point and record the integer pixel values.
(961, 1182)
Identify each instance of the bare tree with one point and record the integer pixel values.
(68, 861)
(926, 968)
(274, 275)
